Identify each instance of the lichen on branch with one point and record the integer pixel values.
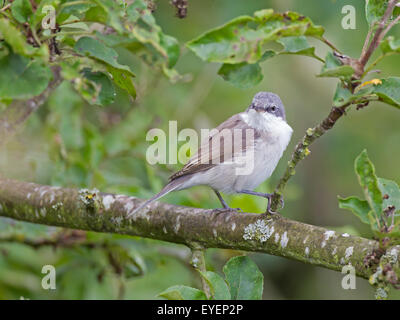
(197, 228)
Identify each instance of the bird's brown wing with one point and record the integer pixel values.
(206, 156)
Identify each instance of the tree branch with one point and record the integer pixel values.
(379, 33)
(301, 150)
(16, 114)
(91, 210)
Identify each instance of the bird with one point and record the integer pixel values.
(221, 168)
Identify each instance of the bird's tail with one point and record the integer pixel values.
(173, 185)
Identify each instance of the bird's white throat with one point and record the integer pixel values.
(265, 121)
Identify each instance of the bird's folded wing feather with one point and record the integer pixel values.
(211, 153)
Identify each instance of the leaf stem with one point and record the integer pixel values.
(330, 44)
(62, 33)
(376, 61)
(199, 263)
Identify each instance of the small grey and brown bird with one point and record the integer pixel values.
(242, 164)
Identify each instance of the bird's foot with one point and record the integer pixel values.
(227, 209)
(269, 210)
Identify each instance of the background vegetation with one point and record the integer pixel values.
(72, 143)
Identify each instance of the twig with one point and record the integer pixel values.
(376, 61)
(390, 26)
(19, 111)
(199, 263)
(377, 36)
(367, 39)
(330, 44)
(5, 7)
(301, 150)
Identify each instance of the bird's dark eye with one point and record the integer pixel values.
(273, 108)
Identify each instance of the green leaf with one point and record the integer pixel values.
(96, 49)
(391, 190)
(21, 10)
(124, 80)
(390, 44)
(219, 288)
(106, 93)
(152, 44)
(374, 10)
(141, 35)
(111, 11)
(298, 45)
(344, 95)
(39, 14)
(369, 182)
(243, 38)
(241, 75)
(74, 10)
(244, 278)
(334, 68)
(21, 78)
(244, 75)
(183, 293)
(359, 207)
(171, 46)
(18, 42)
(389, 91)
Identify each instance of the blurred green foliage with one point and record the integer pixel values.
(73, 142)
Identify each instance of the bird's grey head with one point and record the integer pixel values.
(268, 102)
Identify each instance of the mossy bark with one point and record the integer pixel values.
(91, 210)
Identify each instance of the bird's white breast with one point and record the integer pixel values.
(274, 136)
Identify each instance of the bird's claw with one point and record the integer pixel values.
(269, 210)
(227, 209)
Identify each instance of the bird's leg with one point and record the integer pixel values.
(264, 195)
(224, 204)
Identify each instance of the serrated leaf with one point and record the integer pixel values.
(96, 49)
(391, 193)
(218, 287)
(242, 39)
(359, 207)
(183, 293)
(241, 75)
(21, 10)
(244, 278)
(21, 78)
(389, 91)
(369, 182)
(334, 68)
